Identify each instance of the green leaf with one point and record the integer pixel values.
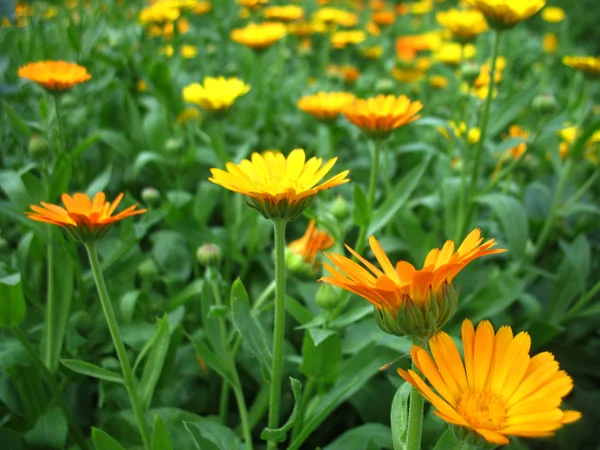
(513, 219)
(321, 362)
(100, 182)
(117, 142)
(280, 434)
(50, 430)
(448, 442)
(450, 201)
(15, 121)
(12, 440)
(398, 197)
(210, 435)
(155, 363)
(172, 255)
(250, 329)
(161, 440)
(91, 370)
(12, 303)
(84, 145)
(504, 288)
(210, 359)
(508, 110)
(363, 437)
(192, 291)
(102, 441)
(61, 176)
(399, 416)
(362, 211)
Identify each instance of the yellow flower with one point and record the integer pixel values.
(407, 75)
(499, 390)
(421, 7)
(50, 12)
(502, 14)
(379, 116)
(203, 7)
(589, 65)
(158, 13)
(325, 105)
(394, 290)
(464, 24)
(550, 43)
(167, 50)
(215, 94)
(372, 52)
(287, 13)
(189, 115)
(188, 51)
(438, 81)
(460, 130)
(481, 83)
(519, 149)
(553, 14)
(85, 219)
(278, 187)
(383, 18)
(55, 75)
(340, 39)
(252, 4)
(261, 36)
(142, 86)
(305, 29)
(568, 135)
(334, 16)
(451, 53)
(301, 254)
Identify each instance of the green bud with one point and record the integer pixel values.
(327, 297)
(544, 104)
(470, 71)
(148, 269)
(150, 196)
(38, 147)
(296, 264)
(84, 323)
(209, 255)
(3, 244)
(471, 439)
(339, 208)
(173, 145)
(385, 86)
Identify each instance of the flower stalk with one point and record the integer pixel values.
(60, 123)
(415, 418)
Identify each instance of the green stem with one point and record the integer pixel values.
(415, 418)
(52, 384)
(50, 305)
(113, 326)
(59, 121)
(311, 385)
(582, 302)
(279, 328)
(584, 188)
(483, 129)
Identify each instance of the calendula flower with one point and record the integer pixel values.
(158, 13)
(167, 50)
(252, 4)
(503, 14)
(278, 187)
(499, 390)
(301, 254)
(188, 51)
(379, 116)
(408, 301)
(201, 8)
(407, 47)
(84, 218)
(178, 4)
(189, 115)
(215, 94)
(261, 36)
(407, 75)
(350, 74)
(305, 29)
(461, 130)
(567, 136)
(287, 13)
(325, 105)
(516, 131)
(464, 24)
(341, 39)
(438, 81)
(550, 43)
(55, 75)
(589, 65)
(481, 84)
(334, 16)
(372, 51)
(452, 53)
(383, 18)
(553, 14)
(421, 7)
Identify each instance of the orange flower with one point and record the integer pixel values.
(407, 47)
(498, 391)
(383, 18)
(302, 253)
(55, 75)
(86, 219)
(381, 115)
(325, 105)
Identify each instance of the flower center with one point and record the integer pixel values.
(484, 410)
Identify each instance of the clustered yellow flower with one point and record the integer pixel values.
(503, 14)
(335, 16)
(340, 39)
(325, 105)
(286, 13)
(159, 13)
(215, 94)
(589, 65)
(461, 130)
(259, 36)
(464, 24)
(453, 53)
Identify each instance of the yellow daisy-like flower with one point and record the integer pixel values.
(553, 14)
(335, 16)
(550, 43)
(379, 116)
(55, 75)
(188, 51)
(451, 53)
(464, 24)
(407, 75)
(203, 7)
(341, 39)
(438, 81)
(305, 29)
(503, 14)
(286, 13)
(261, 36)
(252, 4)
(589, 65)
(515, 131)
(325, 105)
(499, 390)
(408, 301)
(84, 218)
(278, 187)
(215, 94)
(372, 51)
(158, 13)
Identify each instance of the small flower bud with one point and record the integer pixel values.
(327, 297)
(148, 269)
(173, 145)
(544, 104)
(339, 208)
(209, 255)
(38, 147)
(385, 86)
(150, 196)
(296, 264)
(470, 71)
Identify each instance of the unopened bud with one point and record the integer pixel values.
(544, 104)
(295, 263)
(150, 196)
(327, 297)
(148, 269)
(38, 147)
(339, 208)
(385, 86)
(209, 255)
(470, 71)
(173, 145)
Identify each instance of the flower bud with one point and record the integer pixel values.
(385, 86)
(296, 264)
(544, 104)
(209, 255)
(339, 208)
(150, 196)
(148, 269)
(173, 145)
(327, 297)
(38, 147)
(470, 71)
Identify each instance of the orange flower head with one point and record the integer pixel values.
(278, 187)
(261, 36)
(383, 18)
(252, 4)
(55, 75)
(515, 131)
(407, 47)
(302, 253)
(84, 218)
(408, 301)
(497, 390)
(379, 116)
(589, 65)
(325, 105)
